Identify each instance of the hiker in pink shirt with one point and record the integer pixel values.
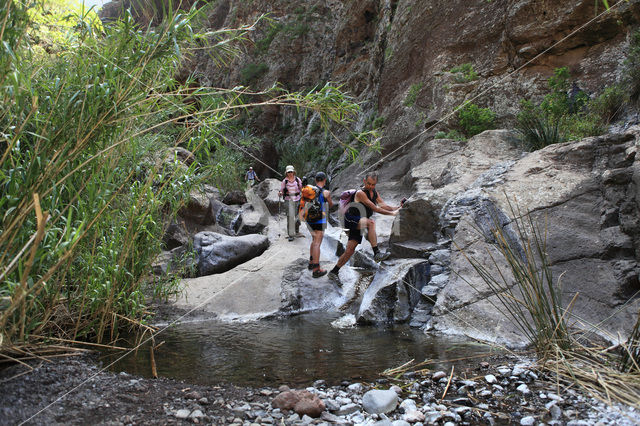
(290, 188)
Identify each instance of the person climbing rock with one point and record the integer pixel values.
(313, 210)
(290, 190)
(357, 221)
(251, 177)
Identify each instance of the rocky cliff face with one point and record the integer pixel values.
(399, 59)
(397, 56)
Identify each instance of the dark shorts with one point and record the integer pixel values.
(355, 235)
(316, 226)
(351, 223)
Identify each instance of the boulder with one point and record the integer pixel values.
(394, 292)
(218, 253)
(176, 235)
(250, 220)
(267, 190)
(222, 214)
(235, 197)
(416, 222)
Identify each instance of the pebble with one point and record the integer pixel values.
(182, 414)
(438, 375)
(413, 416)
(196, 414)
(523, 389)
(408, 405)
(347, 409)
(356, 387)
(528, 421)
(380, 401)
(491, 379)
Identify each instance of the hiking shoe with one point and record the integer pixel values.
(380, 256)
(335, 278)
(311, 266)
(318, 273)
(290, 238)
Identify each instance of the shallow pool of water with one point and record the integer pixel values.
(294, 351)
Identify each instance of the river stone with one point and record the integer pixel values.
(528, 421)
(413, 416)
(302, 402)
(408, 405)
(218, 253)
(182, 414)
(378, 401)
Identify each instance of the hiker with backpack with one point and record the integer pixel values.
(356, 209)
(251, 177)
(313, 210)
(290, 190)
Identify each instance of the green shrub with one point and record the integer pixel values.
(451, 134)
(464, 73)
(537, 128)
(632, 66)
(252, 72)
(566, 113)
(262, 46)
(609, 103)
(474, 119)
(412, 95)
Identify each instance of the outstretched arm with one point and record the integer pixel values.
(361, 197)
(385, 206)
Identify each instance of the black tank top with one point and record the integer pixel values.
(355, 212)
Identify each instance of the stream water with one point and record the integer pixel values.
(295, 351)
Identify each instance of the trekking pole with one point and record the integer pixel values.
(278, 217)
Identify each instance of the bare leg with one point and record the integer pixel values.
(315, 246)
(371, 232)
(348, 252)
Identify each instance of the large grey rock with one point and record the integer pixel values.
(585, 194)
(218, 253)
(394, 292)
(379, 401)
(268, 190)
(235, 197)
(250, 220)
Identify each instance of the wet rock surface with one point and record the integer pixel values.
(501, 390)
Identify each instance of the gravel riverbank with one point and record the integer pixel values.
(496, 391)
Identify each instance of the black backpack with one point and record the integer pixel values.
(310, 203)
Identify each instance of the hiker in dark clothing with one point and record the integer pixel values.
(357, 221)
(316, 225)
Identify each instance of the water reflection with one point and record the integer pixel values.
(294, 351)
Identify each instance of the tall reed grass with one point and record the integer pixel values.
(529, 295)
(531, 298)
(87, 169)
